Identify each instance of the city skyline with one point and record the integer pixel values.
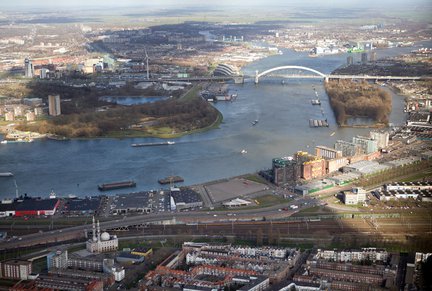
(421, 4)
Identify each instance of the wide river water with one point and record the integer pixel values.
(78, 166)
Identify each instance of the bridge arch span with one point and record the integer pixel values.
(259, 75)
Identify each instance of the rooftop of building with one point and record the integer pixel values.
(142, 249)
(366, 167)
(185, 195)
(414, 183)
(132, 200)
(82, 204)
(128, 255)
(29, 204)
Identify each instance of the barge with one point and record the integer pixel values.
(153, 144)
(6, 174)
(116, 185)
(171, 179)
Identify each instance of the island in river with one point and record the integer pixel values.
(87, 115)
(358, 99)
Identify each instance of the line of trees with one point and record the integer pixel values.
(358, 99)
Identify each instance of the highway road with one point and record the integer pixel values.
(243, 223)
(57, 236)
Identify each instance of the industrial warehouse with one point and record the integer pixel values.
(27, 206)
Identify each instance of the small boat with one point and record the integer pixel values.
(316, 102)
(333, 133)
(255, 122)
(243, 151)
(6, 174)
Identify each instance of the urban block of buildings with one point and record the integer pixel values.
(218, 266)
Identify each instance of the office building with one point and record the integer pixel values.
(348, 149)
(30, 116)
(354, 196)
(9, 116)
(57, 260)
(364, 58)
(28, 68)
(382, 138)
(369, 145)
(18, 110)
(15, 269)
(38, 111)
(54, 105)
(373, 57)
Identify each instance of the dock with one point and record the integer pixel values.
(318, 123)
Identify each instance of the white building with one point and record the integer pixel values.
(354, 196)
(111, 268)
(9, 116)
(54, 105)
(382, 138)
(100, 243)
(58, 260)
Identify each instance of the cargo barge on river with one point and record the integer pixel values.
(152, 144)
(171, 179)
(116, 185)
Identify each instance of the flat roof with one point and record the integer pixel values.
(78, 204)
(30, 204)
(132, 200)
(185, 195)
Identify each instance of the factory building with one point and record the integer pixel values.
(101, 243)
(327, 153)
(348, 149)
(28, 207)
(365, 167)
(184, 198)
(369, 145)
(285, 170)
(334, 165)
(312, 167)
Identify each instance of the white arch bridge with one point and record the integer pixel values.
(326, 77)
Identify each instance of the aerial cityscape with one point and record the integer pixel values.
(216, 145)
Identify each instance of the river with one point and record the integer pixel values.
(78, 166)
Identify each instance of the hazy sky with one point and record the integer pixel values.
(107, 3)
